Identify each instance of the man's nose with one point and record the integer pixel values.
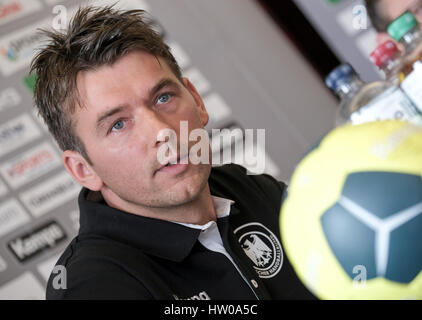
(156, 128)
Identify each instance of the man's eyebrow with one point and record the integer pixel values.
(162, 84)
(107, 114)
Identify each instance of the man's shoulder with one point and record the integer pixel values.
(95, 268)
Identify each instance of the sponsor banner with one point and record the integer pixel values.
(47, 266)
(50, 194)
(12, 216)
(38, 118)
(3, 189)
(25, 287)
(198, 79)
(217, 108)
(122, 4)
(42, 124)
(180, 55)
(18, 48)
(74, 217)
(30, 165)
(29, 82)
(3, 264)
(9, 98)
(31, 244)
(14, 9)
(17, 132)
(51, 2)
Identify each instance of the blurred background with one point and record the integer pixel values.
(258, 64)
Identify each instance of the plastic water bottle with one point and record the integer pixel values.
(365, 102)
(388, 58)
(407, 31)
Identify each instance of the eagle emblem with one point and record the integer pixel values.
(261, 246)
(257, 250)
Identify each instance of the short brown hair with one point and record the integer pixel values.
(95, 37)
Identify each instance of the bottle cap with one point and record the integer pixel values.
(339, 75)
(402, 25)
(383, 52)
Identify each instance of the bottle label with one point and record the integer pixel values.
(411, 85)
(391, 104)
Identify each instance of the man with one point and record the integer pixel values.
(108, 89)
(382, 12)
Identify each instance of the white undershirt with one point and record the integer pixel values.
(210, 236)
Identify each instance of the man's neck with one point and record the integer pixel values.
(199, 210)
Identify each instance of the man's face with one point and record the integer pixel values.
(126, 105)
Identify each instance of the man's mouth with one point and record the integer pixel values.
(174, 162)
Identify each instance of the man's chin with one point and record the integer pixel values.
(188, 191)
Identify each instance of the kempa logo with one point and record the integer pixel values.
(262, 247)
(31, 244)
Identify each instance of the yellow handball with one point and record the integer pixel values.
(351, 224)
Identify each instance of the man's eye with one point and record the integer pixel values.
(163, 98)
(118, 125)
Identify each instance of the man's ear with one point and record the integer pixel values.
(81, 170)
(198, 100)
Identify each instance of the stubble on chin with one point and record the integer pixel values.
(191, 190)
(179, 194)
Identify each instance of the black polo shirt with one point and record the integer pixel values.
(118, 255)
